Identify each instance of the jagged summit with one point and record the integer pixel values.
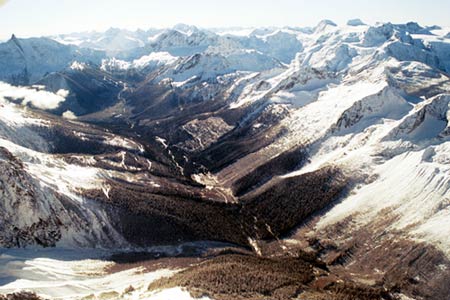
(327, 22)
(415, 28)
(185, 28)
(323, 25)
(14, 39)
(355, 22)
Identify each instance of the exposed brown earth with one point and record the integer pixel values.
(256, 278)
(370, 256)
(20, 296)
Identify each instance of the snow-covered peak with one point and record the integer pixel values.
(383, 52)
(324, 25)
(186, 29)
(155, 59)
(150, 62)
(355, 22)
(25, 61)
(112, 41)
(114, 64)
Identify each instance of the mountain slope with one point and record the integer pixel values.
(328, 147)
(25, 61)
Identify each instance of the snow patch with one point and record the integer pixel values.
(77, 66)
(13, 116)
(74, 274)
(174, 293)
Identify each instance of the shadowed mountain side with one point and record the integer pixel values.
(177, 214)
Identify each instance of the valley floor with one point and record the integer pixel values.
(82, 274)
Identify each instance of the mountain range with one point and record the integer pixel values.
(269, 163)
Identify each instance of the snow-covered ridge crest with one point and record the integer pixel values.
(385, 104)
(429, 120)
(152, 60)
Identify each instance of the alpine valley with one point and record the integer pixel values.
(238, 163)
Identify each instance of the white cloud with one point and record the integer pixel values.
(37, 97)
(62, 93)
(69, 115)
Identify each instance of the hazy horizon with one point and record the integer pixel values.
(27, 18)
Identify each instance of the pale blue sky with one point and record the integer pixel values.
(43, 17)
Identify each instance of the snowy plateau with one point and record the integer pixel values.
(245, 163)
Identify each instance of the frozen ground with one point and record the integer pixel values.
(76, 274)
